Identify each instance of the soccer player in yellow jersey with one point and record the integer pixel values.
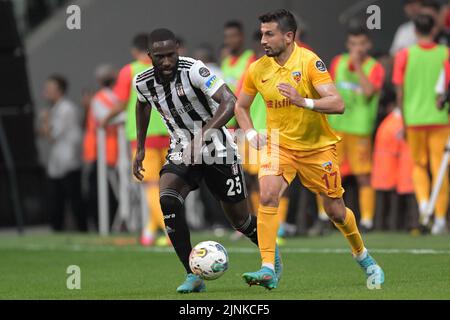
(298, 92)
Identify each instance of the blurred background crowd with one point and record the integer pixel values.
(388, 171)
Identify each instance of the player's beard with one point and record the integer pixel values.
(273, 52)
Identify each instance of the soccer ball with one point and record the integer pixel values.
(209, 260)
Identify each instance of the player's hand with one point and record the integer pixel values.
(192, 152)
(258, 141)
(137, 164)
(291, 93)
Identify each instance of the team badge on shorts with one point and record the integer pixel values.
(327, 166)
(297, 76)
(234, 169)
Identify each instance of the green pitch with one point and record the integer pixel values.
(34, 267)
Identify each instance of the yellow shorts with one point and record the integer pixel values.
(357, 150)
(153, 162)
(318, 170)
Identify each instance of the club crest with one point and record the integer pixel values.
(180, 90)
(327, 166)
(297, 75)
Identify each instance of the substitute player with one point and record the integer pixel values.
(156, 143)
(416, 73)
(298, 92)
(195, 105)
(359, 79)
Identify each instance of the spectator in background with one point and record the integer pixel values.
(416, 73)
(182, 50)
(156, 143)
(100, 105)
(62, 128)
(405, 35)
(359, 79)
(433, 8)
(239, 58)
(205, 53)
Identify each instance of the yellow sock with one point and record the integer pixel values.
(283, 209)
(442, 199)
(421, 183)
(254, 197)
(349, 229)
(367, 202)
(155, 218)
(268, 223)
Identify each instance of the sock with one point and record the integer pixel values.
(442, 199)
(249, 229)
(362, 255)
(321, 210)
(155, 217)
(421, 183)
(439, 221)
(269, 265)
(268, 223)
(254, 197)
(176, 225)
(283, 209)
(423, 206)
(349, 229)
(367, 203)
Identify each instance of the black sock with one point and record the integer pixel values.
(249, 229)
(176, 225)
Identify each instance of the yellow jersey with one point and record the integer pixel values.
(299, 128)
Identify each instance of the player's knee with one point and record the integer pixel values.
(171, 201)
(269, 198)
(335, 209)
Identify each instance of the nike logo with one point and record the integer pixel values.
(264, 80)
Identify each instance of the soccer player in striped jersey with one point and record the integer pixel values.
(195, 105)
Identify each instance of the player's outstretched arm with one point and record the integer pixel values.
(226, 100)
(242, 111)
(143, 112)
(329, 103)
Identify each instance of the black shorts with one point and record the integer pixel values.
(226, 181)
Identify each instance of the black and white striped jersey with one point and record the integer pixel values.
(186, 103)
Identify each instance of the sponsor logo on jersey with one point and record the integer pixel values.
(278, 103)
(211, 82)
(235, 169)
(176, 156)
(297, 75)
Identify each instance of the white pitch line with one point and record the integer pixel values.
(240, 250)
